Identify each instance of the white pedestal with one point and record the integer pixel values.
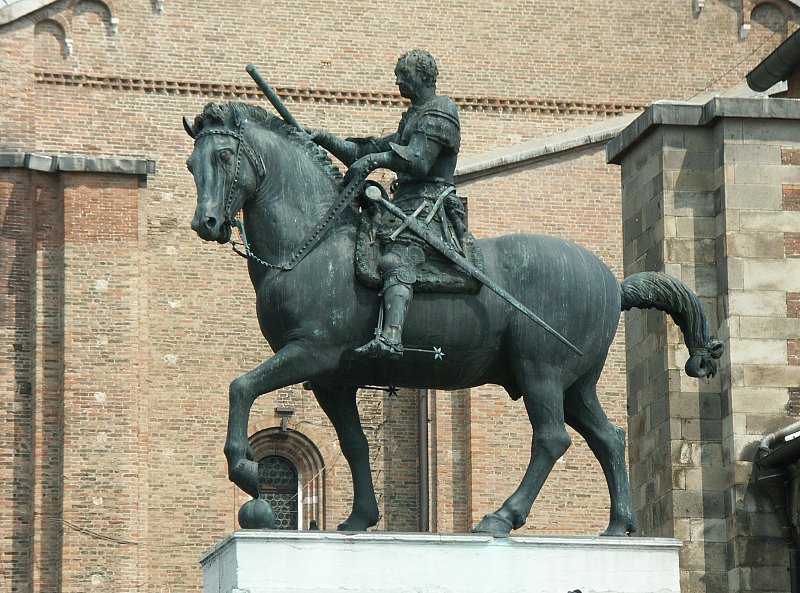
(306, 562)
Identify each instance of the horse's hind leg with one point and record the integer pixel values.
(339, 403)
(544, 402)
(607, 442)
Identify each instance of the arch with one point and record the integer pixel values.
(781, 5)
(58, 27)
(113, 20)
(751, 6)
(769, 15)
(301, 451)
(109, 4)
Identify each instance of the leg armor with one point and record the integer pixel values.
(399, 270)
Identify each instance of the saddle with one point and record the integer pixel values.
(435, 274)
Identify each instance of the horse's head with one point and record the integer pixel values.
(226, 168)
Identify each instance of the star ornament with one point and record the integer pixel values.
(437, 353)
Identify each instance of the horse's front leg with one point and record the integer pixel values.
(291, 364)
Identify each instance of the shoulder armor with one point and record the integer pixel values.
(439, 121)
(445, 105)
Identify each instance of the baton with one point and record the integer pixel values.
(274, 98)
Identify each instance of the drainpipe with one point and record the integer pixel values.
(780, 482)
(422, 442)
(777, 66)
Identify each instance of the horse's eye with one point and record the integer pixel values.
(225, 155)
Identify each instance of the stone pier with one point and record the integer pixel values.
(711, 195)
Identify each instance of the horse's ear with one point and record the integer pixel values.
(238, 116)
(187, 125)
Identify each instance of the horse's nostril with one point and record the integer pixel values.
(211, 222)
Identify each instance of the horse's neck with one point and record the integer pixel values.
(295, 194)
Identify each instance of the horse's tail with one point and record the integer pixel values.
(649, 290)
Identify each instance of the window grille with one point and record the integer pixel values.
(278, 485)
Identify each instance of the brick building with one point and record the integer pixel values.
(121, 330)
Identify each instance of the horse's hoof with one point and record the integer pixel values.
(357, 523)
(352, 524)
(494, 524)
(619, 529)
(245, 475)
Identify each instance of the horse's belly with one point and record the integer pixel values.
(443, 368)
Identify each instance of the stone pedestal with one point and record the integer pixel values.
(302, 562)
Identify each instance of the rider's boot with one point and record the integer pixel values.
(388, 342)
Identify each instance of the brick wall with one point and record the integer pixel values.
(122, 332)
(76, 373)
(18, 373)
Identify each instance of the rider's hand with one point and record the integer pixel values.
(315, 135)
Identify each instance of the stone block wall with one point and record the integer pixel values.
(707, 198)
(760, 160)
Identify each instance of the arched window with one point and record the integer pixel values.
(279, 486)
(291, 476)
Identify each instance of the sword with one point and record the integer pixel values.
(374, 194)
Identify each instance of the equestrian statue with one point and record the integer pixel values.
(334, 263)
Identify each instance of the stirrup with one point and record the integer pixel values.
(379, 347)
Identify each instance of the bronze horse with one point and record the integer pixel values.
(313, 312)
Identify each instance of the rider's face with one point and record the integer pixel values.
(406, 81)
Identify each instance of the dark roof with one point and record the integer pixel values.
(777, 66)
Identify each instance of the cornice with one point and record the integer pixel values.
(330, 96)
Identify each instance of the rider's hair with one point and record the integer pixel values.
(423, 64)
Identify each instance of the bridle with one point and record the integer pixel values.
(255, 159)
(347, 195)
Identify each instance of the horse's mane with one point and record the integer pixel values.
(231, 114)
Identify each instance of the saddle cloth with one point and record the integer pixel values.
(435, 274)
